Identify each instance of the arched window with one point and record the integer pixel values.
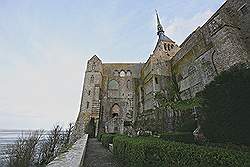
(113, 85)
(87, 104)
(172, 46)
(129, 84)
(129, 73)
(122, 73)
(116, 73)
(92, 79)
(165, 46)
(156, 80)
(93, 66)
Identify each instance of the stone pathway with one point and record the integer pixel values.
(98, 156)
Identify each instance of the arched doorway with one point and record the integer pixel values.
(115, 110)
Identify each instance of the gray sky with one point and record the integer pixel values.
(44, 47)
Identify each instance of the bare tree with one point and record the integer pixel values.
(38, 148)
(23, 152)
(51, 145)
(67, 133)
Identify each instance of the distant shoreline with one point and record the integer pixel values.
(22, 130)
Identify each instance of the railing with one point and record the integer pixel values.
(74, 157)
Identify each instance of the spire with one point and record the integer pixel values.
(159, 26)
(160, 31)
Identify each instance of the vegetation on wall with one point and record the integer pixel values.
(170, 109)
(227, 108)
(181, 110)
(187, 124)
(173, 102)
(154, 125)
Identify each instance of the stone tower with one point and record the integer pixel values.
(90, 101)
(165, 47)
(91, 88)
(157, 70)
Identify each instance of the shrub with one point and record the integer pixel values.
(107, 139)
(129, 151)
(99, 136)
(188, 125)
(184, 137)
(227, 108)
(155, 152)
(24, 150)
(230, 146)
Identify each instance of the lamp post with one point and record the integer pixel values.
(198, 135)
(197, 130)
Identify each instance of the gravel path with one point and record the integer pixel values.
(98, 156)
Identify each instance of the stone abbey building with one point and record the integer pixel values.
(115, 95)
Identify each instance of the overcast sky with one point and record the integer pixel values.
(45, 44)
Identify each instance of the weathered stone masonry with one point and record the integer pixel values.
(116, 94)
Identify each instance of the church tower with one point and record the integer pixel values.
(156, 72)
(165, 46)
(91, 87)
(90, 101)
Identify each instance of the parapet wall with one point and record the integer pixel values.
(74, 157)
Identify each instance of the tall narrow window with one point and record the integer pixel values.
(165, 46)
(89, 92)
(129, 84)
(142, 93)
(93, 66)
(129, 73)
(169, 47)
(156, 80)
(92, 79)
(116, 73)
(87, 104)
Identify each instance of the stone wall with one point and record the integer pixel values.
(241, 11)
(73, 157)
(118, 89)
(212, 48)
(155, 71)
